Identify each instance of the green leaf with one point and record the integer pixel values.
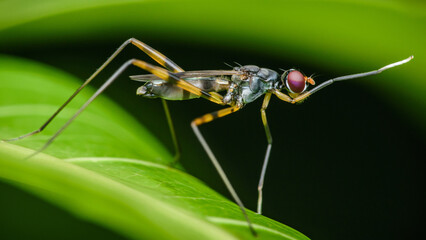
(106, 167)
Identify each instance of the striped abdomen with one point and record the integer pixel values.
(169, 91)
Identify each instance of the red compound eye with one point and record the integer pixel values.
(296, 81)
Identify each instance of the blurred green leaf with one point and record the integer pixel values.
(112, 171)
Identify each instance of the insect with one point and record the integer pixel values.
(240, 86)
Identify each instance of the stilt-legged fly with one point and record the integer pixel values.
(241, 85)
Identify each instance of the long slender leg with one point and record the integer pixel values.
(75, 93)
(303, 96)
(170, 65)
(96, 94)
(208, 118)
(157, 56)
(172, 131)
(268, 151)
(160, 72)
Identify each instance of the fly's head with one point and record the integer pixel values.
(296, 82)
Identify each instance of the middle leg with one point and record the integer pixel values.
(208, 118)
(268, 151)
(170, 65)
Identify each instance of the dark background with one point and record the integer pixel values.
(345, 164)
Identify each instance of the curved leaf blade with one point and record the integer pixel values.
(92, 196)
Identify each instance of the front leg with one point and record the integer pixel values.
(304, 95)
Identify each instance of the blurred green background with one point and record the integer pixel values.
(347, 163)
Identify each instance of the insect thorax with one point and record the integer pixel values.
(253, 83)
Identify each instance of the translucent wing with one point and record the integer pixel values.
(187, 74)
